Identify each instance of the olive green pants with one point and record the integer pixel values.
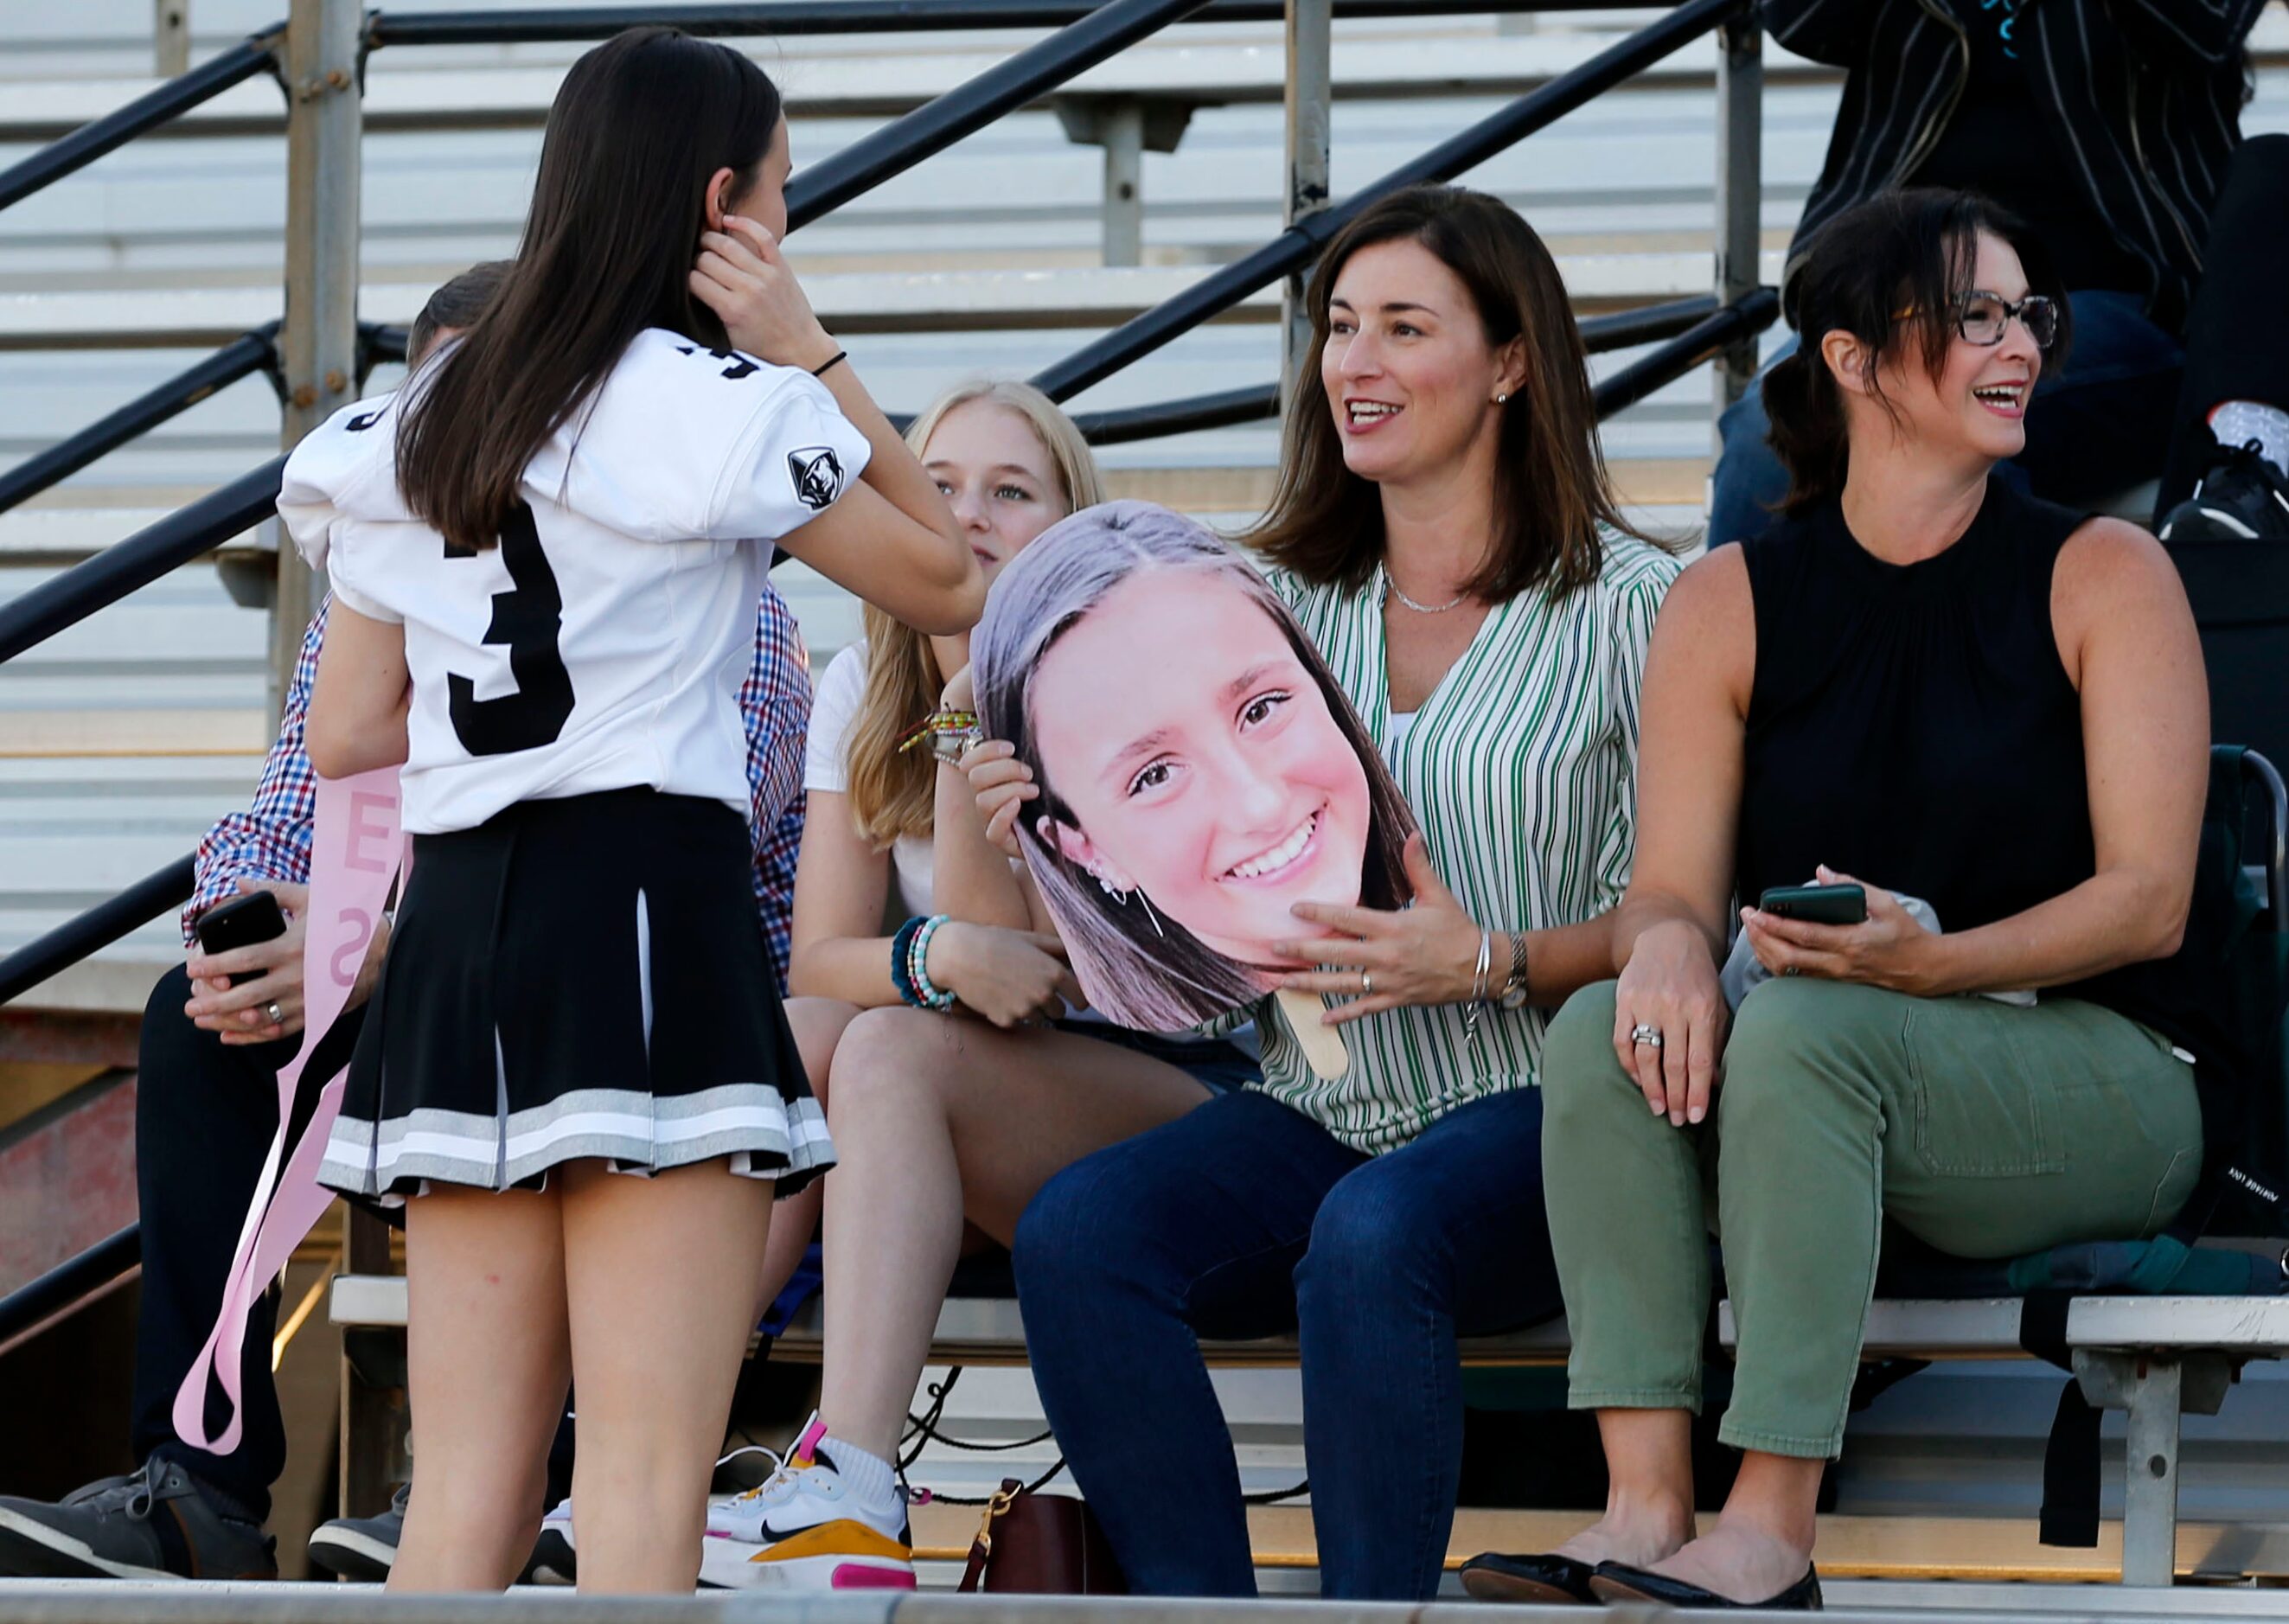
(1983, 1130)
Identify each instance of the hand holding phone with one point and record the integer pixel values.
(246, 968)
(1820, 905)
(241, 922)
(1839, 929)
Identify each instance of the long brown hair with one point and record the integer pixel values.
(1551, 495)
(1875, 271)
(893, 792)
(640, 125)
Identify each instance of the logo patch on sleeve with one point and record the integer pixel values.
(818, 475)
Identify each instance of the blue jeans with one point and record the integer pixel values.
(1244, 1218)
(2097, 425)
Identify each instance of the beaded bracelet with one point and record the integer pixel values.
(947, 733)
(902, 948)
(929, 995)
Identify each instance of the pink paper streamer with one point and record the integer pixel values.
(356, 850)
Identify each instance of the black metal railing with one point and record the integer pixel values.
(166, 103)
(903, 143)
(70, 598)
(1297, 246)
(97, 928)
(1744, 318)
(69, 1281)
(242, 357)
(205, 524)
(567, 24)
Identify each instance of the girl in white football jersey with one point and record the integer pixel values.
(546, 553)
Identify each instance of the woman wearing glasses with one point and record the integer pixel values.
(1924, 683)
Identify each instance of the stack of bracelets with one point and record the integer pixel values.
(909, 962)
(947, 733)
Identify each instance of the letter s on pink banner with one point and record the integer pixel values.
(350, 956)
(363, 829)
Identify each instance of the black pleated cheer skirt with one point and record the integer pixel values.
(578, 978)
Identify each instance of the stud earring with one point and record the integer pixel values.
(1502, 399)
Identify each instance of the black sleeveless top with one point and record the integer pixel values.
(1912, 725)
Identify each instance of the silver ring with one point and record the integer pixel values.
(277, 1016)
(1650, 1036)
(1366, 984)
(1788, 969)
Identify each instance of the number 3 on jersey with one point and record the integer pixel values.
(527, 617)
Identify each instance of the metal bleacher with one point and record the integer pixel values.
(121, 738)
(988, 257)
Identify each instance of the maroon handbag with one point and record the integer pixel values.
(1031, 1544)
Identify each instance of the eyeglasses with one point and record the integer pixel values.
(1981, 318)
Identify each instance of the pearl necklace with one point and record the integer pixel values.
(1391, 589)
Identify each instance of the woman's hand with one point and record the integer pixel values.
(1002, 784)
(1888, 950)
(960, 693)
(1424, 954)
(269, 972)
(1670, 986)
(740, 276)
(1008, 976)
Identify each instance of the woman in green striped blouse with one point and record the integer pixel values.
(1445, 534)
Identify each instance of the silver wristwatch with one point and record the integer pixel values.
(1516, 991)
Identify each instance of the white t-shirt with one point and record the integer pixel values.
(601, 645)
(835, 706)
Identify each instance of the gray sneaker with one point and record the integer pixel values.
(362, 1548)
(154, 1523)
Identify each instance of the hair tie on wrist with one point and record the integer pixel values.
(901, 960)
(821, 368)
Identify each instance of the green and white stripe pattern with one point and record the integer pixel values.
(1521, 768)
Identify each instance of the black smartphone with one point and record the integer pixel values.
(1816, 904)
(241, 922)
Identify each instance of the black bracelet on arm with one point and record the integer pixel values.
(820, 369)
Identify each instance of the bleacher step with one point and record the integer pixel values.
(1976, 1549)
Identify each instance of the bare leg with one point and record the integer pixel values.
(1649, 1489)
(937, 1119)
(1762, 1542)
(817, 1024)
(487, 1360)
(657, 1343)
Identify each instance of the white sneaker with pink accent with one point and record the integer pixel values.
(805, 1528)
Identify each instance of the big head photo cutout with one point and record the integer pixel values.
(1200, 772)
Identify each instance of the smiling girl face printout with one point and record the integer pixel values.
(1200, 771)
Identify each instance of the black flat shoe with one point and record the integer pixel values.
(1618, 1581)
(1533, 1577)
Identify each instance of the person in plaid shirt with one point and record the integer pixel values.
(266, 847)
(206, 1110)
